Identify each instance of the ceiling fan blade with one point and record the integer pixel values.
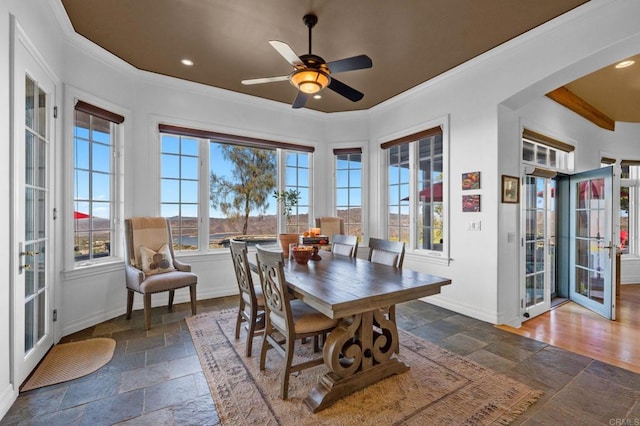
(287, 53)
(301, 100)
(265, 80)
(344, 90)
(350, 64)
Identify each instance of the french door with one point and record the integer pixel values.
(591, 248)
(539, 244)
(32, 139)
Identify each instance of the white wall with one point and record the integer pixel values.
(482, 104)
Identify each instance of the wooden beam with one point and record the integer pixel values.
(565, 97)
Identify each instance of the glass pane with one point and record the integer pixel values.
(29, 214)
(29, 158)
(342, 178)
(189, 146)
(29, 103)
(29, 265)
(41, 208)
(42, 316)
(81, 185)
(189, 167)
(101, 184)
(624, 219)
(527, 151)
(170, 144)
(29, 338)
(81, 153)
(189, 191)
(541, 155)
(42, 113)
(41, 263)
(170, 191)
(170, 166)
(42, 163)
(101, 158)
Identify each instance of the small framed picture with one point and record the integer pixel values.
(510, 189)
(471, 203)
(471, 180)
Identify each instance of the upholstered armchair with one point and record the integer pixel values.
(151, 266)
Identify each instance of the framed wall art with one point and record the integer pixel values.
(510, 189)
(471, 203)
(471, 180)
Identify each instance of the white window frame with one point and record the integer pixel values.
(439, 257)
(72, 95)
(204, 185)
(363, 186)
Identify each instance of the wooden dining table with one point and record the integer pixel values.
(360, 351)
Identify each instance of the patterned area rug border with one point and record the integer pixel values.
(440, 388)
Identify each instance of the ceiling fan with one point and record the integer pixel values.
(311, 73)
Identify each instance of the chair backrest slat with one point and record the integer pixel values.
(386, 252)
(274, 288)
(346, 245)
(243, 272)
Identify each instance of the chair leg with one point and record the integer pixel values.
(147, 311)
(172, 293)
(239, 318)
(129, 303)
(251, 331)
(194, 300)
(284, 388)
(265, 345)
(316, 345)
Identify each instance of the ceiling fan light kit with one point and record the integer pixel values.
(310, 81)
(311, 73)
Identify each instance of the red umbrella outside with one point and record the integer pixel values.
(426, 194)
(80, 215)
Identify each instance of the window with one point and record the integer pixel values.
(541, 150)
(215, 187)
(415, 188)
(297, 175)
(349, 189)
(242, 180)
(179, 174)
(94, 181)
(629, 193)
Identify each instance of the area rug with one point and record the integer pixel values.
(439, 388)
(68, 361)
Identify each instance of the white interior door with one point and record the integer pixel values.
(34, 93)
(591, 248)
(539, 241)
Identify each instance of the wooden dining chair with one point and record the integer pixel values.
(286, 316)
(389, 253)
(251, 308)
(346, 245)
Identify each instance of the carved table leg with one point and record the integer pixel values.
(358, 353)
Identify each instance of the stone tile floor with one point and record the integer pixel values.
(155, 377)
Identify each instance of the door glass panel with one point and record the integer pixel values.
(29, 337)
(33, 259)
(29, 102)
(41, 314)
(539, 213)
(591, 256)
(42, 113)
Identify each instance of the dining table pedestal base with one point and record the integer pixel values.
(359, 352)
(331, 387)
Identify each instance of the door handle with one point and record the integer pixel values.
(21, 255)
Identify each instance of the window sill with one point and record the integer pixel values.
(429, 257)
(90, 269)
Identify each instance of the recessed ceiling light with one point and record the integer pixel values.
(187, 62)
(317, 96)
(625, 64)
